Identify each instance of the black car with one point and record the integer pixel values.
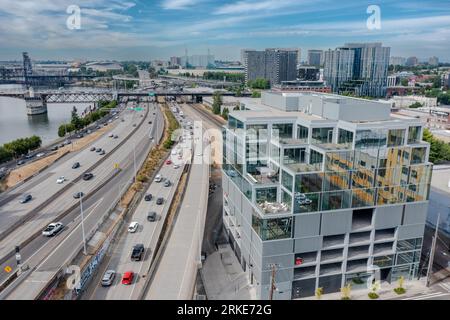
(159, 201)
(87, 176)
(148, 197)
(26, 198)
(138, 252)
(98, 150)
(54, 148)
(93, 149)
(78, 195)
(151, 216)
(76, 165)
(149, 122)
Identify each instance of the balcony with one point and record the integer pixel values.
(386, 235)
(333, 241)
(359, 238)
(331, 268)
(307, 258)
(358, 252)
(305, 272)
(267, 207)
(331, 255)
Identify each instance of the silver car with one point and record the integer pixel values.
(108, 278)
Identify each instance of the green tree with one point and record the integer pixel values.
(217, 102)
(404, 82)
(225, 113)
(439, 150)
(416, 105)
(259, 83)
(75, 119)
(256, 94)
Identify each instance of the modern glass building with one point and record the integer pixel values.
(323, 190)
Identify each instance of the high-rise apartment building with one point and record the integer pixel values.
(433, 61)
(198, 60)
(412, 62)
(369, 71)
(323, 190)
(315, 58)
(275, 65)
(397, 61)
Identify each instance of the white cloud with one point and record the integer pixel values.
(179, 4)
(253, 6)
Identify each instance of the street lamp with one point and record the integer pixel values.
(81, 195)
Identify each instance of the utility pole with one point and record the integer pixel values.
(272, 281)
(433, 248)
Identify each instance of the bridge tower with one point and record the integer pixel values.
(27, 68)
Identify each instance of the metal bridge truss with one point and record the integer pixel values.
(78, 97)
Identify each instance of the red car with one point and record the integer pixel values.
(128, 277)
(169, 161)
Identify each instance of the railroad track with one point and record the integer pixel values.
(200, 109)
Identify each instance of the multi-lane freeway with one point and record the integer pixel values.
(45, 255)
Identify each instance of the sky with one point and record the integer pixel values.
(158, 29)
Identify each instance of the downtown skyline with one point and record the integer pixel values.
(143, 30)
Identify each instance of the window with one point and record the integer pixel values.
(418, 155)
(266, 194)
(234, 123)
(282, 130)
(302, 133)
(315, 157)
(345, 137)
(368, 138)
(396, 137)
(414, 134)
(322, 135)
(272, 229)
(287, 180)
(294, 156)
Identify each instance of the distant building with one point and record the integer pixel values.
(358, 68)
(175, 61)
(397, 61)
(302, 86)
(275, 64)
(315, 57)
(446, 80)
(406, 101)
(392, 81)
(103, 66)
(309, 73)
(433, 61)
(198, 61)
(412, 62)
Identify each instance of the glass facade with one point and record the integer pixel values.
(302, 133)
(272, 229)
(322, 135)
(345, 137)
(396, 137)
(414, 135)
(284, 130)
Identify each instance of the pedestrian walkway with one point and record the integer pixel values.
(223, 277)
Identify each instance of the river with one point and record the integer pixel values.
(15, 123)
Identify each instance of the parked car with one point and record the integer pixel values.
(138, 252)
(151, 216)
(148, 197)
(108, 278)
(158, 178)
(87, 176)
(132, 228)
(26, 198)
(159, 201)
(78, 195)
(76, 165)
(53, 229)
(128, 277)
(60, 180)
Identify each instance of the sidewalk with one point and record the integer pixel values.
(223, 277)
(413, 288)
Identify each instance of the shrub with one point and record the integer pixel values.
(373, 295)
(399, 290)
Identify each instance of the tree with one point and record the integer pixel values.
(404, 82)
(75, 119)
(256, 94)
(217, 102)
(259, 83)
(416, 105)
(225, 113)
(439, 150)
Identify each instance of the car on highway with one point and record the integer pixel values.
(116, 136)
(60, 180)
(98, 149)
(168, 162)
(54, 148)
(176, 166)
(167, 183)
(151, 216)
(40, 155)
(76, 165)
(102, 152)
(53, 229)
(160, 201)
(134, 124)
(149, 122)
(88, 176)
(108, 278)
(132, 228)
(111, 135)
(66, 142)
(20, 162)
(78, 195)
(158, 178)
(138, 252)
(128, 277)
(26, 198)
(148, 197)
(29, 156)
(93, 149)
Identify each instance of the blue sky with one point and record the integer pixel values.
(149, 29)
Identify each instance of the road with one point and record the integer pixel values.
(55, 254)
(123, 156)
(176, 271)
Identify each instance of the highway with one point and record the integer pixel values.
(147, 234)
(176, 271)
(65, 243)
